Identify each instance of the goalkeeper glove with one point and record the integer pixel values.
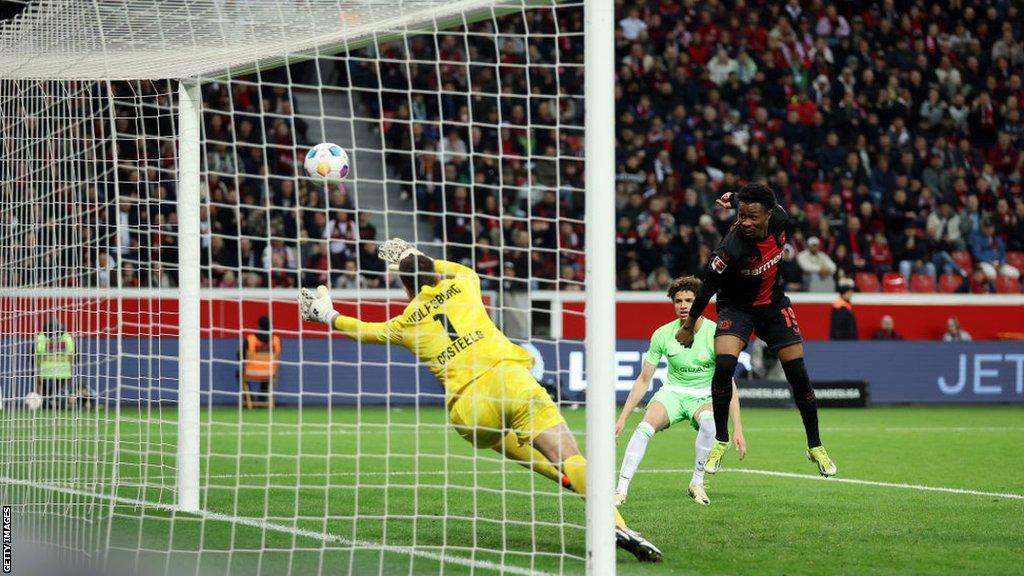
(394, 251)
(317, 306)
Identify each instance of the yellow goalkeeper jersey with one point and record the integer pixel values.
(447, 327)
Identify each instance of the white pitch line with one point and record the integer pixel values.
(899, 485)
(357, 430)
(861, 429)
(274, 527)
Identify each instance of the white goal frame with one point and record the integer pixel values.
(106, 63)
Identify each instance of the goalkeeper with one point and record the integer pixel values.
(492, 399)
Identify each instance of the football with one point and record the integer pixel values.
(327, 161)
(33, 401)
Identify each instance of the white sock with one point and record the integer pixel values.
(634, 454)
(705, 439)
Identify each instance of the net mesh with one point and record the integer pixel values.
(138, 39)
(465, 133)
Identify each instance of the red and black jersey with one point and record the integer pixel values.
(744, 272)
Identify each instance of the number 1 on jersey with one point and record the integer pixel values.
(447, 324)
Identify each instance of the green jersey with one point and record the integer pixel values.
(689, 369)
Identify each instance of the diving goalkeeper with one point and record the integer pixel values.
(492, 399)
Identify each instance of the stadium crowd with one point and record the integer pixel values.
(891, 131)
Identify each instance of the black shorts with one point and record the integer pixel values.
(774, 323)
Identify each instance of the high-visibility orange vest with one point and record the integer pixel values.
(260, 360)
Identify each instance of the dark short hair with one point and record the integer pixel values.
(684, 283)
(54, 326)
(757, 194)
(416, 271)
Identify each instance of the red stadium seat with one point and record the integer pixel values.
(1015, 259)
(922, 283)
(1007, 285)
(950, 283)
(893, 283)
(963, 259)
(867, 282)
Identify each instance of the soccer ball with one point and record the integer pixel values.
(327, 161)
(33, 401)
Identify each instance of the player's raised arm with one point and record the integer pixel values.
(395, 250)
(446, 268)
(731, 201)
(716, 266)
(317, 307)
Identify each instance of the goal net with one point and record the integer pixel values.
(165, 410)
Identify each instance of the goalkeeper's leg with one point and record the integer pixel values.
(511, 398)
(528, 456)
(558, 445)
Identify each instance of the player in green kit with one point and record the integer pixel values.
(685, 396)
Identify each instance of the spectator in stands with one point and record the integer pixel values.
(845, 265)
(708, 233)
(632, 26)
(228, 279)
(105, 275)
(651, 222)
(790, 274)
(341, 231)
(979, 282)
(633, 279)
(912, 254)
(159, 277)
(843, 325)
(721, 67)
(817, 267)
(943, 230)
(954, 333)
(764, 363)
(881, 256)
(892, 115)
(129, 276)
(372, 269)
(350, 278)
(989, 252)
(886, 330)
(1016, 241)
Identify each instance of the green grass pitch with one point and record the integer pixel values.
(371, 491)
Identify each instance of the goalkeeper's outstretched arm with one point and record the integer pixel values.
(317, 307)
(452, 269)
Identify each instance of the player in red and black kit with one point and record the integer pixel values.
(743, 271)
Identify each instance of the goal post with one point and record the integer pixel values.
(189, 265)
(599, 47)
(163, 143)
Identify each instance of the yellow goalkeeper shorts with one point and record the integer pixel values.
(505, 398)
